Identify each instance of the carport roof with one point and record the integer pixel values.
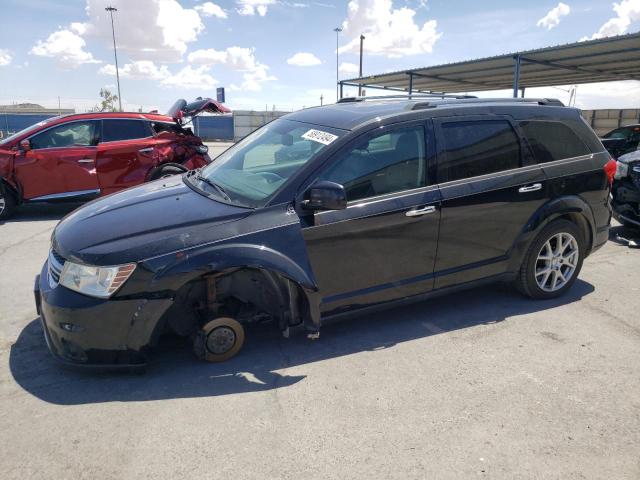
(602, 60)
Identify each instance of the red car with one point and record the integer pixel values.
(82, 156)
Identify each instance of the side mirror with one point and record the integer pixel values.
(325, 195)
(25, 145)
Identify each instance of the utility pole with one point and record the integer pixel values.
(321, 99)
(111, 9)
(337, 30)
(59, 109)
(360, 85)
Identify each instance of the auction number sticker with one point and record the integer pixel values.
(319, 136)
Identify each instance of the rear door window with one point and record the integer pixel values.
(479, 147)
(551, 141)
(114, 130)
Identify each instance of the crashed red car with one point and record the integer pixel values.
(82, 156)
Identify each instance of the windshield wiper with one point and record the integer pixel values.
(218, 188)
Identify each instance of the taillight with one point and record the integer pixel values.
(610, 170)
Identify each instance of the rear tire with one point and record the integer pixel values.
(553, 262)
(7, 203)
(219, 340)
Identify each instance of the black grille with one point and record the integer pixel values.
(56, 263)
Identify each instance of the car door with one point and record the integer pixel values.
(60, 163)
(490, 188)
(383, 245)
(125, 153)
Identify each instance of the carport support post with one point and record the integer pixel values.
(516, 76)
(410, 83)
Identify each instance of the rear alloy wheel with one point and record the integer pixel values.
(219, 340)
(7, 204)
(553, 261)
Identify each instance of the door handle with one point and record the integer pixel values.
(530, 188)
(86, 160)
(421, 211)
(146, 150)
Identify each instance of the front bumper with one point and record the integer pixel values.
(86, 331)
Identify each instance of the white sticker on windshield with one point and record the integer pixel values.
(320, 136)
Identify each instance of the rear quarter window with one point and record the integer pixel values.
(114, 130)
(551, 141)
(474, 148)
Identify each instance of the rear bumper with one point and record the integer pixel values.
(90, 332)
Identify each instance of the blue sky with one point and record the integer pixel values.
(277, 52)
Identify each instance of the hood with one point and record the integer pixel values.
(630, 157)
(181, 110)
(143, 222)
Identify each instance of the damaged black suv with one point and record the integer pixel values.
(327, 211)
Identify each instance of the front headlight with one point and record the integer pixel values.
(203, 148)
(101, 282)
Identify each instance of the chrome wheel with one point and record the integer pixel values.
(220, 340)
(2, 203)
(557, 262)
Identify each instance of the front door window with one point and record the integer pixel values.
(388, 163)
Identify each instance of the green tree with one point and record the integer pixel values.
(108, 102)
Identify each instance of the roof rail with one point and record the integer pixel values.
(554, 102)
(404, 97)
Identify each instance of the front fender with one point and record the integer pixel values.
(279, 250)
(228, 256)
(550, 211)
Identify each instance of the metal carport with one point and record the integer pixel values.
(602, 60)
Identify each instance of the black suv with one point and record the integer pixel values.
(327, 211)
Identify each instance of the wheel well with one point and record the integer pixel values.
(156, 170)
(8, 188)
(583, 224)
(249, 295)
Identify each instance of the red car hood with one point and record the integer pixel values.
(181, 110)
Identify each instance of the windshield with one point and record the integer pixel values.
(25, 131)
(250, 172)
(620, 133)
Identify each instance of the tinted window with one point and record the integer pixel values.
(66, 135)
(113, 130)
(387, 163)
(160, 127)
(553, 141)
(479, 147)
(627, 133)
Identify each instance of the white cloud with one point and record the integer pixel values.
(627, 12)
(253, 80)
(388, 31)
(141, 69)
(348, 68)
(66, 46)
(253, 7)
(5, 57)
(210, 9)
(157, 30)
(187, 78)
(552, 18)
(236, 58)
(304, 59)
(191, 78)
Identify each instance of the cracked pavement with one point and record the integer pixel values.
(480, 384)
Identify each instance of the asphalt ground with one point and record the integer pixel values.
(484, 383)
